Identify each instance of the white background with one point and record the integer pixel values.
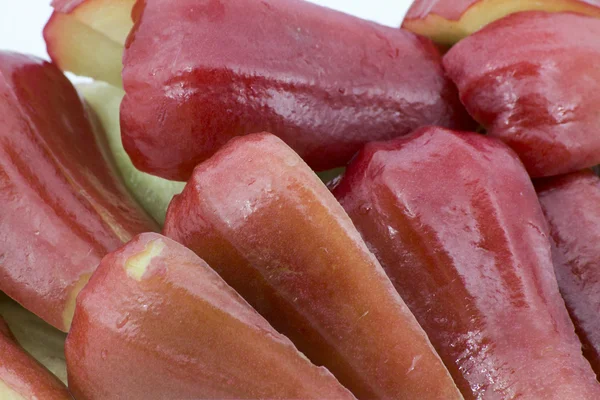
(21, 21)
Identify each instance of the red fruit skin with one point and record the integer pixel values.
(531, 79)
(62, 207)
(20, 374)
(176, 330)
(570, 204)
(266, 223)
(324, 82)
(455, 222)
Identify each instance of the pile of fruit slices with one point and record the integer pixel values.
(442, 264)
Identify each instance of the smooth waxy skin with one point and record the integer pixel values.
(156, 322)
(267, 224)
(22, 377)
(456, 224)
(62, 207)
(448, 21)
(87, 37)
(570, 204)
(151, 192)
(323, 81)
(532, 80)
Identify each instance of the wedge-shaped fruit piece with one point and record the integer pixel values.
(571, 204)
(532, 80)
(448, 21)
(22, 377)
(87, 37)
(258, 215)
(152, 192)
(156, 322)
(45, 343)
(323, 81)
(455, 222)
(62, 207)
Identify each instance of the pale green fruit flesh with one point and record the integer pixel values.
(153, 193)
(44, 342)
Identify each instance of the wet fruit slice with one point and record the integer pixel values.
(266, 223)
(571, 206)
(21, 377)
(62, 206)
(455, 221)
(448, 21)
(531, 79)
(324, 82)
(155, 322)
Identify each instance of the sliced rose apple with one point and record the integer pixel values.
(151, 192)
(455, 221)
(449, 21)
(62, 207)
(571, 204)
(358, 81)
(155, 322)
(266, 223)
(21, 376)
(532, 79)
(86, 37)
(323, 81)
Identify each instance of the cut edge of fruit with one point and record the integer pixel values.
(111, 18)
(137, 265)
(69, 309)
(448, 32)
(90, 40)
(68, 43)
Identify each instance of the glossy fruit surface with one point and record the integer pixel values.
(324, 82)
(156, 322)
(531, 79)
(571, 206)
(455, 221)
(266, 223)
(62, 206)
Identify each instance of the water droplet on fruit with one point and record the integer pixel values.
(36, 233)
(104, 354)
(364, 209)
